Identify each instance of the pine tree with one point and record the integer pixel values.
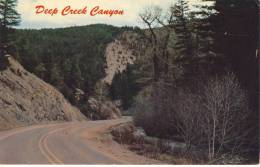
(55, 75)
(235, 24)
(206, 57)
(183, 36)
(76, 78)
(125, 86)
(202, 30)
(8, 17)
(236, 27)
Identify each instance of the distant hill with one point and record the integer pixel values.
(68, 58)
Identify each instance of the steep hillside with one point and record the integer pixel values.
(26, 99)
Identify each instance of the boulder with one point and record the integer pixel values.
(124, 133)
(103, 109)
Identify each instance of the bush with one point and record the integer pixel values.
(211, 118)
(153, 110)
(144, 114)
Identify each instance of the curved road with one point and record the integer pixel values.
(65, 143)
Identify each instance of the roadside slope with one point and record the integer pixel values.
(25, 99)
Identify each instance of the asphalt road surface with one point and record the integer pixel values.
(65, 143)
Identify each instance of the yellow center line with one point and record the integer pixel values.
(47, 153)
(21, 130)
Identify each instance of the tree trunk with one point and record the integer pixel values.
(156, 65)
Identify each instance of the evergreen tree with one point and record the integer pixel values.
(8, 17)
(125, 86)
(206, 57)
(76, 78)
(55, 75)
(202, 30)
(182, 33)
(236, 27)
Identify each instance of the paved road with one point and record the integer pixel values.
(65, 143)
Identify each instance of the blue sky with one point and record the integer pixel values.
(131, 7)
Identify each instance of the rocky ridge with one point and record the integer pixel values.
(25, 99)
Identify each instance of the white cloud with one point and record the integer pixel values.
(131, 7)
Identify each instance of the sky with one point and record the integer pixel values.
(130, 18)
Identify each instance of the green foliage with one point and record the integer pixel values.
(8, 17)
(203, 30)
(235, 24)
(40, 70)
(181, 28)
(125, 86)
(68, 58)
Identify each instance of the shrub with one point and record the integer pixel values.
(211, 118)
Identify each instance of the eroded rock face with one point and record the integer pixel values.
(103, 109)
(121, 52)
(26, 99)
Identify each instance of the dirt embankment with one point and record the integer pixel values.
(26, 99)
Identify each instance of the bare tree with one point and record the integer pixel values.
(214, 117)
(149, 16)
(154, 18)
(186, 117)
(225, 107)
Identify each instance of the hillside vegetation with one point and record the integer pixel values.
(71, 59)
(68, 58)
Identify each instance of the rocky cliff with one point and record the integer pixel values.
(121, 52)
(26, 99)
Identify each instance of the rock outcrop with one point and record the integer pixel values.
(103, 109)
(122, 51)
(26, 99)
